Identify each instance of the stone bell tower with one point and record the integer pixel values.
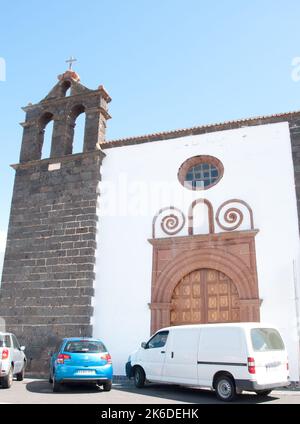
(48, 273)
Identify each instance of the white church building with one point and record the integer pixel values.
(199, 225)
(227, 252)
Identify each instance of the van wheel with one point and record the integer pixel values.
(225, 388)
(139, 377)
(263, 392)
(7, 381)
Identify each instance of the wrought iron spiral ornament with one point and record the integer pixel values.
(233, 216)
(172, 223)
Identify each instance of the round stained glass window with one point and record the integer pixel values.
(200, 172)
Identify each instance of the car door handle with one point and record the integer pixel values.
(163, 351)
(172, 355)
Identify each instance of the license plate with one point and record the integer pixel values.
(273, 366)
(86, 372)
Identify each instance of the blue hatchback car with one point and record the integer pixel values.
(81, 360)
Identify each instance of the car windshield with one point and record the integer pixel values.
(85, 346)
(266, 339)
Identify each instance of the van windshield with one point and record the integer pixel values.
(266, 339)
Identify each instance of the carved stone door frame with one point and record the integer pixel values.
(230, 253)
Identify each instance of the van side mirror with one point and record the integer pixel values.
(143, 345)
(22, 348)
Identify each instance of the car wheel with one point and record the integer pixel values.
(225, 388)
(7, 381)
(50, 377)
(263, 392)
(20, 376)
(107, 386)
(139, 377)
(56, 386)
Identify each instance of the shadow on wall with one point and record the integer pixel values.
(38, 356)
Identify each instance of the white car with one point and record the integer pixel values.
(227, 358)
(12, 360)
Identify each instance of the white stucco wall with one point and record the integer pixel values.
(258, 169)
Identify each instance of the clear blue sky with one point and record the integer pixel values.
(167, 64)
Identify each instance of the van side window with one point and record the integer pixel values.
(158, 340)
(266, 339)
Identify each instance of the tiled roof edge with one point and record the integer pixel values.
(227, 125)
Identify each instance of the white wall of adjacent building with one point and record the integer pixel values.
(138, 180)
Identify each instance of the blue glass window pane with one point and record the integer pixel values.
(202, 175)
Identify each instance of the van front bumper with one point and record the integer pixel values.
(253, 386)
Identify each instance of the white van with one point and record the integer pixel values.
(228, 358)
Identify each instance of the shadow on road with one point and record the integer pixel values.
(43, 386)
(191, 395)
(160, 391)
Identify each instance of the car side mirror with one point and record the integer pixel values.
(22, 348)
(143, 345)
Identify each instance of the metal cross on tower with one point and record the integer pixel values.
(70, 61)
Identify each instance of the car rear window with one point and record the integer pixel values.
(85, 346)
(266, 339)
(5, 341)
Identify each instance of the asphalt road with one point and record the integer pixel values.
(32, 391)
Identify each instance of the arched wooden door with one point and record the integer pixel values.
(205, 296)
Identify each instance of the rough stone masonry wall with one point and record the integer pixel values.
(48, 275)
